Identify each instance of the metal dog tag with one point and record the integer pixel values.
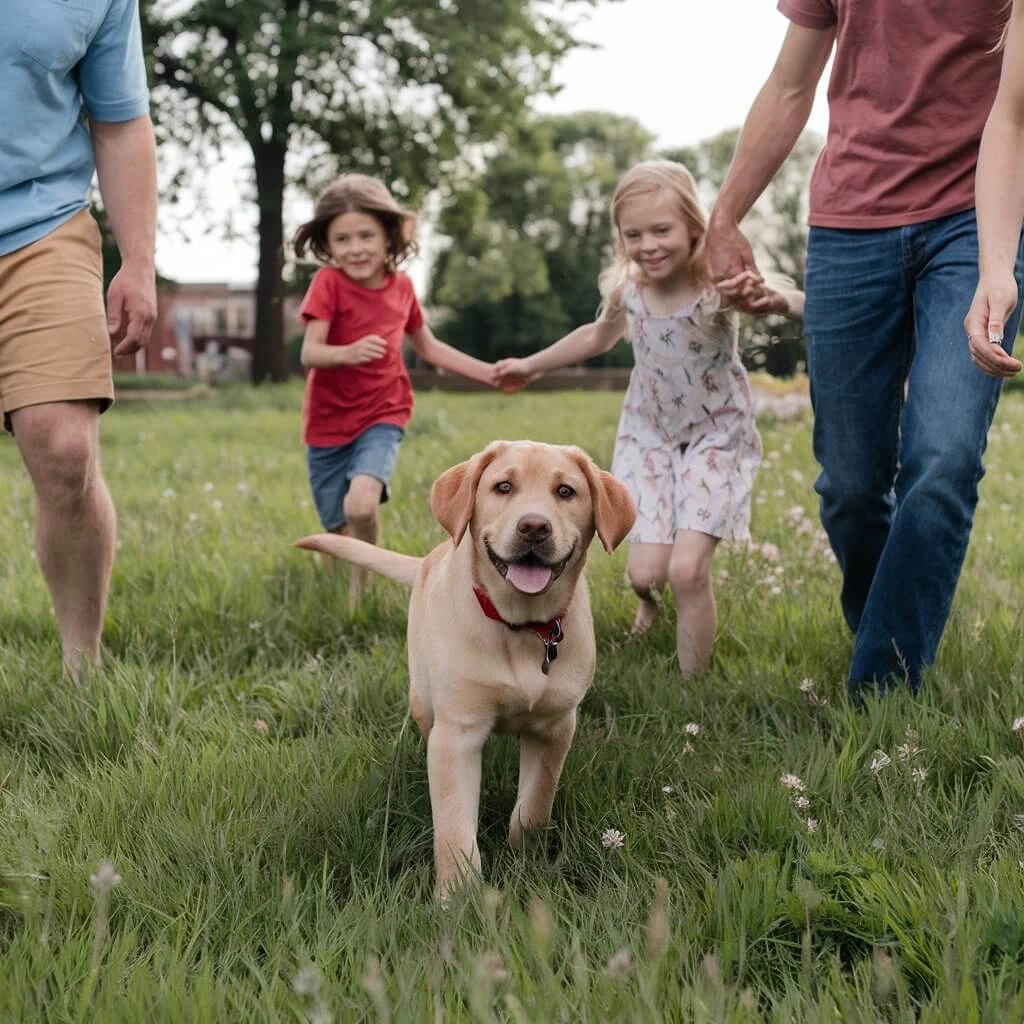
(551, 647)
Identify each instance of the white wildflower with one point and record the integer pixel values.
(812, 825)
(307, 981)
(613, 839)
(879, 761)
(801, 803)
(619, 965)
(791, 781)
(490, 967)
(691, 729)
(105, 877)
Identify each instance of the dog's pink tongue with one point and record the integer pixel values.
(530, 579)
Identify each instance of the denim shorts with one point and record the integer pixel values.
(372, 453)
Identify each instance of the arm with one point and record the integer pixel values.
(772, 127)
(317, 354)
(577, 346)
(125, 155)
(999, 192)
(444, 357)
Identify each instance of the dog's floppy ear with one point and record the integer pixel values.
(614, 511)
(454, 491)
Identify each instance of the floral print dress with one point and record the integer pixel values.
(687, 447)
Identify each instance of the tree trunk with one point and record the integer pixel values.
(268, 357)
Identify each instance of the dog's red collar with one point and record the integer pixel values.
(550, 632)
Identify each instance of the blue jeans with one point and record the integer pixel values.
(900, 422)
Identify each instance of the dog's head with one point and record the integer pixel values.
(532, 511)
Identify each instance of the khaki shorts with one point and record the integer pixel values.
(54, 345)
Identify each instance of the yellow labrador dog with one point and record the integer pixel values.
(500, 634)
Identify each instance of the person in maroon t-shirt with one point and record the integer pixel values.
(901, 415)
(357, 311)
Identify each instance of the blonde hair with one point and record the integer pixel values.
(358, 193)
(654, 178)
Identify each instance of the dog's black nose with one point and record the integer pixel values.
(535, 529)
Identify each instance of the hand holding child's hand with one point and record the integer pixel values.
(365, 350)
(749, 293)
(513, 375)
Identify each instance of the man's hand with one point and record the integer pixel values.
(729, 253)
(365, 350)
(994, 301)
(131, 308)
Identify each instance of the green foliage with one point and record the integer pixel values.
(529, 233)
(397, 90)
(249, 855)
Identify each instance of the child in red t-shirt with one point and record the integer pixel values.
(357, 311)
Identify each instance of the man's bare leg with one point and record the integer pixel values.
(75, 521)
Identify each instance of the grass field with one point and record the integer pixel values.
(245, 763)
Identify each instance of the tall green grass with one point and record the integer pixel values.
(244, 762)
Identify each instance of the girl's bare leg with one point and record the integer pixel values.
(647, 567)
(689, 573)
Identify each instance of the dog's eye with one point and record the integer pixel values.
(503, 487)
(565, 491)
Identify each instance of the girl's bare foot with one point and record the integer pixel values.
(646, 616)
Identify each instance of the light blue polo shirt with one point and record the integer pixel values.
(60, 62)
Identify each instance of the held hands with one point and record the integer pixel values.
(131, 308)
(512, 375)
(735, 274)
(734, 271)
(365, 350)
(994, 301)
(749, 293)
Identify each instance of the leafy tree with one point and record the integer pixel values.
(393, 88)
(777, 229)
(529, 232)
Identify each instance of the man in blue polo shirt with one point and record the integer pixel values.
(75, 102)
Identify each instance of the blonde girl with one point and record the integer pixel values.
(687, 447)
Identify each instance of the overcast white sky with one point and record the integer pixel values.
(684, 68)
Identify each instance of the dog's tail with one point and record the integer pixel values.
(400, 568)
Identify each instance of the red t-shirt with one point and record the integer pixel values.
(343, 401)
(912, 84)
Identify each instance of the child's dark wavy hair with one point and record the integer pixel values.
(358, 193)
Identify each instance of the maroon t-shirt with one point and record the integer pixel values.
(912, 84)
